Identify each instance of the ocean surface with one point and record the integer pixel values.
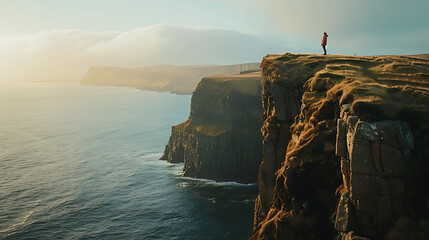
(81, 162)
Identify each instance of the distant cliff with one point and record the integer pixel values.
(221, 140)
(345, 148)
(175, 79)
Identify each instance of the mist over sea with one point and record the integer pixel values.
(80, 162)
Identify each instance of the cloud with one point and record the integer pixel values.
(67, 54)
(368, 16)
(366, 26)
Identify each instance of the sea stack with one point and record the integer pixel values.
(221, 140)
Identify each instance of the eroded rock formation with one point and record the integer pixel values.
(221, 140)
(345, 148)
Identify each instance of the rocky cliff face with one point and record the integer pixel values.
(221, 140)
(345, 148)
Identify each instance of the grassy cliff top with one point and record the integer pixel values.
(377, 87)
(245, 84)
(221, 100)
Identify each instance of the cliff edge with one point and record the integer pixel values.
(221, 140)
(345, 148)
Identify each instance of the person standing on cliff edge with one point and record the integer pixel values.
(324, 42)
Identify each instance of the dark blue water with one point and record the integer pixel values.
(82, 163)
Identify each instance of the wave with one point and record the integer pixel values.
(220, 183)
(149, 155)
(16, 226)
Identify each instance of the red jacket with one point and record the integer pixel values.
(325, 40)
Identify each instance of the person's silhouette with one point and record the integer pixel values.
(324, 42)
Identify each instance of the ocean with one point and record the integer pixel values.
(81, 162)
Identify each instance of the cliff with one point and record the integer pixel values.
(175, 79)
(221, 140)
(345, 148)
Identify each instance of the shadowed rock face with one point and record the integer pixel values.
(345, 148)
(221, 140)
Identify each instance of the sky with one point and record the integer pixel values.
(60, 39)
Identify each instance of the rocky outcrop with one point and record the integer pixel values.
(374, 160)
(221, 140)
(175, 79)
(344, 148)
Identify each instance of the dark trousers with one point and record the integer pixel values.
(324, 49)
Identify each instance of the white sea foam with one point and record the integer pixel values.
(86, 166)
